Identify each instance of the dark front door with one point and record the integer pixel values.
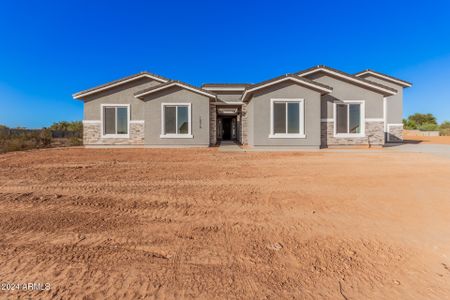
(226, 127)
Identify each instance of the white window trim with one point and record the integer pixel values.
(137, 121)
(176, 135)
(301, 107)
(363, 119)
(115, 136)
(326, 120)
(91, 121)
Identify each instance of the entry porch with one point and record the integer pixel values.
(229, 122)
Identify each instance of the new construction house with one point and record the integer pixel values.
(313, 108)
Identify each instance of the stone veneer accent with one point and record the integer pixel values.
(92, 135)
(394, 133)
(212, 124)
(244, 125)
(374, 135)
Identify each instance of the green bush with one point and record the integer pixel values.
(75, 141)
(422, 119)
(76, 126)
(44, 138)
(445, 128)
(428, 127)
(4, 131)
(409, 124)
(445, 125)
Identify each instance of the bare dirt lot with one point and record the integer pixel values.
(184, 223)
(444, 140)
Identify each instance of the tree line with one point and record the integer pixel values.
(426, 122)
(59, 134)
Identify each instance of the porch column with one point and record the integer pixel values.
(212, 124)
(244, 128)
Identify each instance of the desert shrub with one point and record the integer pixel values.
(17, 144)
(44, 138)
(445, 128)
(445, 125)
(409, 124)
(421, 119)
(19, 139)
(428, 127)
(75, 141)
(4, 131)
(76, 126)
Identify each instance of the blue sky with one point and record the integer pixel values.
(52, 49)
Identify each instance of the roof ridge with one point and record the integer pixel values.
(348, 75)
(315, 85)
(380, 75)
(214, 83)
(156, 87)
(289, 75)
(117, 82)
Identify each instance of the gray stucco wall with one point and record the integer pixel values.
(200, 117)
(343, 90)
(394, 103)
(122, 94)
(259, 116)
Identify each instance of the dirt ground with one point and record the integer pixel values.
(444, 140)
(199, 223)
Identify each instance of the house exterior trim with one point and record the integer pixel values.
(102, 122)
(385, 90)
(107, 86)
(362, 121)
(385, 77)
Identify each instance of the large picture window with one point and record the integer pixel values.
(176, 120)
(287, 118)
(115, 120)
(349, 118)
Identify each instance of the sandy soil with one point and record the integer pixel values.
(445, 140)
(184, 223)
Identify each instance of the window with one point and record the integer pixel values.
(176, 120)
(287, 117)
(115, 120)
(349, 118)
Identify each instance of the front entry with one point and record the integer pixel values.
(227, 128)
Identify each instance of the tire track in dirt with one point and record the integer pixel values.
(178, 223)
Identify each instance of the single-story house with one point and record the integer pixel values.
(313, 108)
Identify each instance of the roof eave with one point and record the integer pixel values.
(224, 89)
(385, 77)
(141, 94)
(384, 91)
(321, 89)
(82, 94)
